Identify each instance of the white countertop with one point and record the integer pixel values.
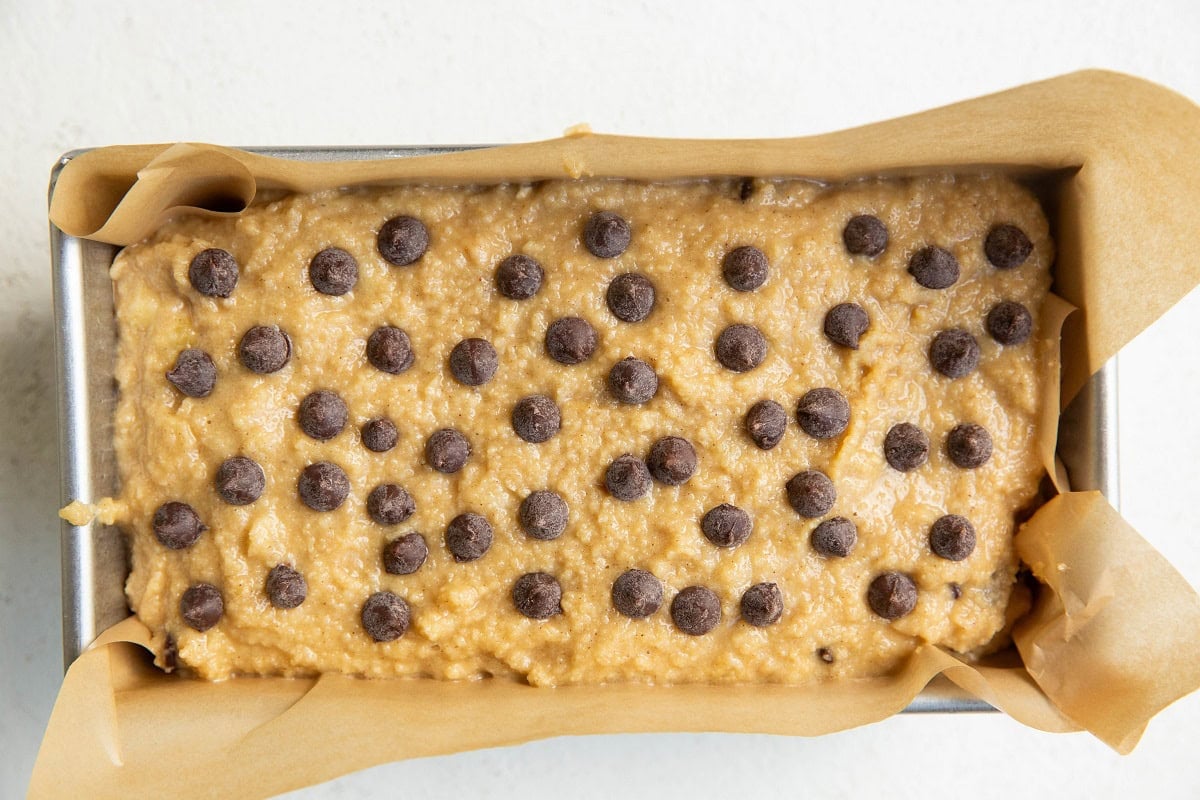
(446, 72)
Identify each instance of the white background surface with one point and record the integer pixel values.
(445, 72)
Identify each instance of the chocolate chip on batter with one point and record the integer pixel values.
(969, 445)
(696, 610)
(468, 536)
(1009, 323)
(405, 554)
(825, 654)
(519, 277)
(1007, 246)
(286, 588)
(323, 486)
(632, 381)
(240, 481)
(955, 590)
(952, 537)
(403, 240)
(637, 594)
(170, 654)
(606, 234)
(380, 435)
(389, 350)
(823, 413)
(213, 273)
(201, 606)
(762, 604)
(390, 504)
(741, 347)
(765, 424)
(906, 447)
(672, 460)
(865, 235)
(447, 450)
(194, 373)
(726, 525)
(811, 494)
(934, 267)
(630, 297)
(333, 271)
(536, 418)
(265, 349)
(835, 537)
(537, 595)
(892, 595)
(322, 415)
(177, 525)
(473, 362)
(385, 617)
(543, 515)
(954, 353)
(845, 324)
(627, 478)
(745, 268)
(571, 340)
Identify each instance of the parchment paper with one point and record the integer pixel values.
(1114, 635)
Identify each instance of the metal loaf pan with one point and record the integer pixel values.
(94, 556)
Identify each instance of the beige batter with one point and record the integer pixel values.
(463, 620)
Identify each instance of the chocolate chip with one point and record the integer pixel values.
(468, 536)
(906, 447)
(213, 273)
(389, 504)
(1007, 246)
(969, 445)
(170, 654)
(405, 555)
(177, 525)
(955, 590)
(632, 381)
(762, 604)
(536, 418)
(627, 478)
(954, 353)
(543, 515)
(333, 271)
(934, 267)
(672, 460)
(865, 235)
(380, 435)
(765, 423)
(194, 373)
(265, 349)
(323, 486)
(201, 606)
(952, 537)
(845, 324)
(473, 362)
(696, 610)
(726, 525)
(745, 268)
(322, 415)
(403, 240)
(240, 481)
(835, 537)
(637, 594)
(537, 595)
(745, 189)
(630, 297)
(892, 595)
(571, 340)
(811, 494)
(286, 588)
(606, 234)
(1009, 323)
(389, 350)
(741, 348)
(385, 617)
(519, 277)
(823, 413)
(447, 450)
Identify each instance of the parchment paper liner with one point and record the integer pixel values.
(1115, 632)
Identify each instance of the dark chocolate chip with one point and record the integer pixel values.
(825, 654)
(240, 481)
(213, 273)
(892, 595)
(627, 478)
(403, 240)
(380, 435)
(765, 423)
(389, 350)
(969, 445)
(543, 515)
(696, 610)
(322, 415)
(906, 447)
(286, 588)
(934, 267)
(519, 277)
(745, 189)
(201, 606)
(637, 594)
(762, 604)
(265, 349)
(571, 340)
(955, 590)
(468, 536)
(865, 235)
(385, 617)
(726, 525)
(606, 234)
(952, 537)
(835, 537)
(194, 373)
(845, 324)
(632, 381)
(1007, 246)
(630, 297)
(1009, 323)
(537, 595)
(473, 362)
(390, 504)
(333, 271)
(954, 353)
(672, 460)
(170, 654)
(745, 268)
(323, 486)
(811, 494)
(405, 554)
(177, 525)
(823, 413)
(741, 347)
(536, 418)
(447, 450)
